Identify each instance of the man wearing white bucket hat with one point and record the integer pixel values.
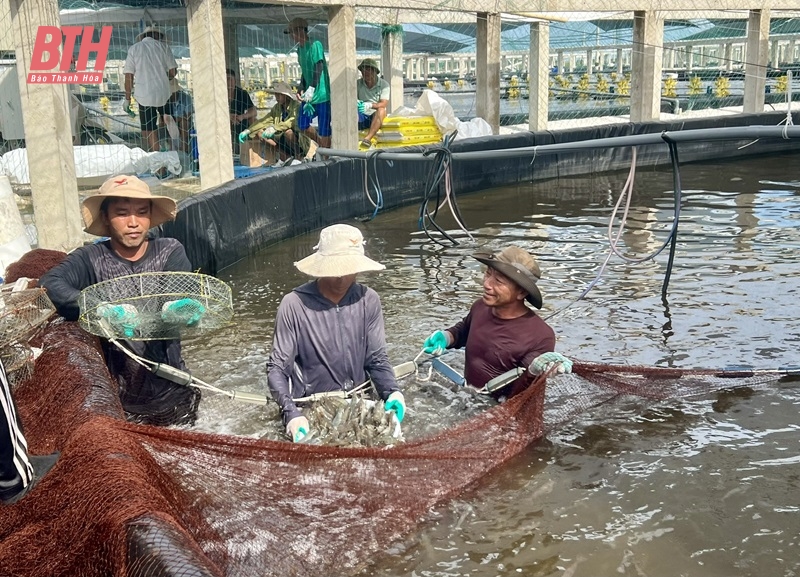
(150, 65)
(124, 210)
(329, 333)
(500, 333)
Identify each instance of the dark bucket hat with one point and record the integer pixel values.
(519, 266)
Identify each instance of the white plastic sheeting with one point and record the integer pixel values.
(13, 240)
(96, 163)
(431, 104)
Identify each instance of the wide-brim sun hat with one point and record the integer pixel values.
(154, 29)
(340, 252)
(295, 24)
(369, 63)
(163, 208)
(519, 266)
(283, 88)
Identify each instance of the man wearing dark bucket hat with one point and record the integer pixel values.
(329, 333)
(500, 332)
(373, 99)
(124, 210)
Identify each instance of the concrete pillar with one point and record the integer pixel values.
(410, 68)
(620, 62)
(790, 51)
(560, 61)
(268, 73)
(392, 66)
(774, 53)
(342, 67)
(488, 69)
(231, 36)
(727, 54)
(755, 67)
(689, 51)
(45, 115)
(571, 62)
(590, 62)
(648, 38)
(672, 59)
(539, 76)
(212, 120)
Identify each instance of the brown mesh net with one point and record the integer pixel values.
(127, 499)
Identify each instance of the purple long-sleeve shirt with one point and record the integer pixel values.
(319, 346)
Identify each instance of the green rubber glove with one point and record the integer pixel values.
(126, 106)
(546, 361)
(125, 317)
(182, 311)
(269, 132)
(397, 403)
(243, 136)
(435, 344)
(297, 429)
(308, 109)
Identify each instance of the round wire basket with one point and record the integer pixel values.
(155, 306)
(21, 313)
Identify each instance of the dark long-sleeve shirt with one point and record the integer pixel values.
(494, 345)
(144, 396)
(319, 346)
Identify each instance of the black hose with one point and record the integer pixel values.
(676, 184)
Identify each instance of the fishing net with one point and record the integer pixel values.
(135, 500)
(155, 306)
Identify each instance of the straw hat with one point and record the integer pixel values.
(369, 63)
(154, 29)
(296, 24)
(283, 88)
(163, 208)
(519, 266)
(340, 252)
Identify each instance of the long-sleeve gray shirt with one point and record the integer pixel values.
(319, 346)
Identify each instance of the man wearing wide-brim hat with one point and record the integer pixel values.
(124, 210)
(329, 333)
(148, 69)
(279, 127)
(501, 334)
(373, 99)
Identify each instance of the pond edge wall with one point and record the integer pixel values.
(223, 225)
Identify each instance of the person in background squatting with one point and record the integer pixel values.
(500, 332)
(329, 333)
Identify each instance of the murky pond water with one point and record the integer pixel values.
(704, 486)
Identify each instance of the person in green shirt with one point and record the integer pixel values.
(373, 99)
(316, 85)
(279, 127)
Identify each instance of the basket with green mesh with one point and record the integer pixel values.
(155, 306)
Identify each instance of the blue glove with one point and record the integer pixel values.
(546, 361)
(397, 403)
(308, 109)
(183, 311)
(124, 316)
(243, 136)
(435, 344)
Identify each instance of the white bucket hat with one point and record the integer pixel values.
(340, 252)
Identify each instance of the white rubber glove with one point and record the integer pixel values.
(546, 361)
(308, 95)
(297, 429)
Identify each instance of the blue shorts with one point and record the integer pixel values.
(364, 121)
(323, 113)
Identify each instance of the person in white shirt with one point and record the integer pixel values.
(373, 99)
(149, 67)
